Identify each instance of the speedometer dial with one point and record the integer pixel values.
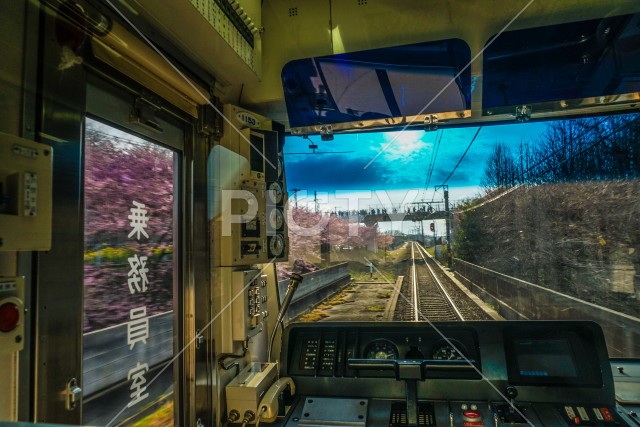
(445, 351)
(381, 349)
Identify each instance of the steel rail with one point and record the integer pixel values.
(423, 251)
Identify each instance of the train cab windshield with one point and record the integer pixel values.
(519, 207)
(365, 213)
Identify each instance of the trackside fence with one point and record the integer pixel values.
(517, 299)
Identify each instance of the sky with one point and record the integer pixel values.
(400, 171)
(398, 175)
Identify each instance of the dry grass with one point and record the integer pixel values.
(314, 316)
(318, 312)
(162, 417)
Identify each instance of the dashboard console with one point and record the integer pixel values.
(540, 373)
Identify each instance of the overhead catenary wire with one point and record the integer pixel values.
(434, 156)
(463, 154)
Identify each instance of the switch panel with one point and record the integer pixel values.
(249, 305)
(25, 194)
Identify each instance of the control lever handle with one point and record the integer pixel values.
(406, 369)
(409, 371)
(511, 393)
(373, 364)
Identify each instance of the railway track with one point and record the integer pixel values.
(428, 294)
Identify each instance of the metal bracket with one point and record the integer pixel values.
(326, 133)
(523, 113)
(431, 123)
(144, 112)
(73, 395)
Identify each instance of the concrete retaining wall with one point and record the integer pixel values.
(314, 288)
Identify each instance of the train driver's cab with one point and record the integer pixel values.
(362, 213)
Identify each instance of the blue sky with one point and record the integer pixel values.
(403, 165)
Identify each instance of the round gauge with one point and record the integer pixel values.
(381, 349)
(276, 245)
(275, 192)
(276, 219)
(446, 351)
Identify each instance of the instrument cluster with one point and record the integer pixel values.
(327, 351)
(444, 349)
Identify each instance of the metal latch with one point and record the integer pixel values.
(523, 113)
(144, 112)
(199, 339)
(73, 394)
(431, 123)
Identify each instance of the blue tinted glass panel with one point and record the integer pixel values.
(562, 62)
(380, 83)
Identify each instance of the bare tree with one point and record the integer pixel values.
(500, 170)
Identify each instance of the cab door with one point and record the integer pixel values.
(132, 258)
(111, 308)
(115, 295)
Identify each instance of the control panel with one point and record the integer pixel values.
(539, 373)
(25, 194)
(249, 305)
(326, 351)
(248, 191)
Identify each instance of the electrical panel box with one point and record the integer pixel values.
(25, 194)
(249, 307)
(11, 314)
(248, 192)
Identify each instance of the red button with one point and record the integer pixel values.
(577, 420)
(471, 415)
(606, 414)
(9, 317)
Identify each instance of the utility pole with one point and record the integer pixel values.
(447, 215)
(295, 195)
(315, 200)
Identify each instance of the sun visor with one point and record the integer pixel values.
(394, 86)
(559, 69)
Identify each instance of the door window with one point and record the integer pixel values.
(129, 278)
